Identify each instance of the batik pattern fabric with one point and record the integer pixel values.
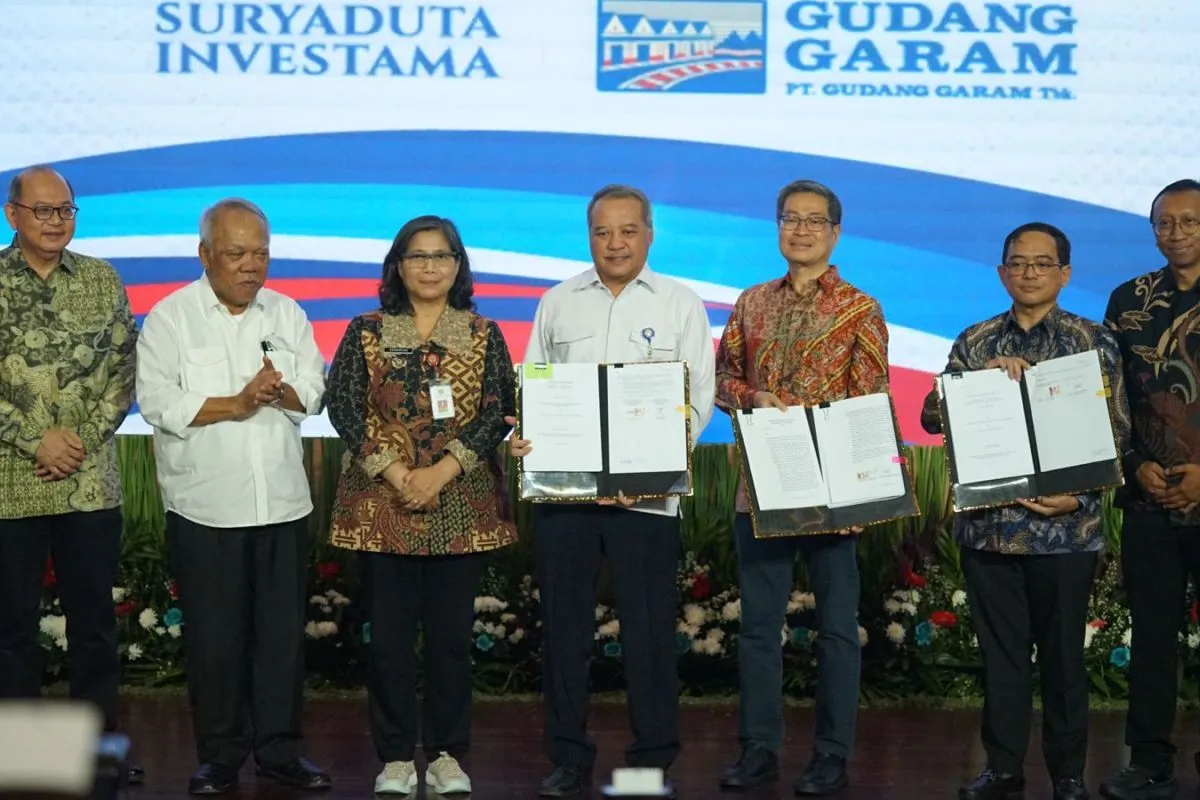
(379, 401)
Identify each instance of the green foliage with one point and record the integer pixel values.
(916, 631)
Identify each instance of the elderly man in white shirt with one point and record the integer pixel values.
(619, 311)
(227, 371)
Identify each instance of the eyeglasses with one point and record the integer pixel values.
(43, 213)
(438, 260)
(790, 222)
(1188, 226)
(1019, 266)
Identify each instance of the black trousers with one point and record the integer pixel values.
(1157, 560)
(86, 547)
(1017, 602)
(766, 576)
(643, 553)
(439, 593)
(243, 592)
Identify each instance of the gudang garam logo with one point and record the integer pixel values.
(1018, 51)
(709, 46)
(306, 39)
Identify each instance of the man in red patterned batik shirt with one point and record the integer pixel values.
(806, 338)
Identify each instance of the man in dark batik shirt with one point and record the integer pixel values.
(1156, 317)
(1029, 567)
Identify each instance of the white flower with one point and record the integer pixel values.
(715, 635)
(148, 618)
(160, 630)
(732, 611)
(318, 600)
(489, 629)
(807, 601)
(694, 615)
(959, 598)
(909, 608)
(1089, 633)
(134, 652)
(175, 631)
(337, 598)
(478, 626)
(1127, 638)
(896, 632)
(601, 611)
(892, 606)
(862, 636)
(517, 635)
(508, 617)
(310, 630)
(499, 631)
(54, 626)
(914, 596)
(327, 628)
(1193, 640)
(610, 629)
(61, 641)
(489, 604)
(118, 594)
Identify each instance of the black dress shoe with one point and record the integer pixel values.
(212, 779)
(566, 780)
(135, 775)
(992, 785)
(1138, 783)
(298, 774)
(756, 766)
(1070, 789)
(825, 775)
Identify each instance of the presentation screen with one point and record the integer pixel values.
(940, 125)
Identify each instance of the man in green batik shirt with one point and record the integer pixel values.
(67, 341)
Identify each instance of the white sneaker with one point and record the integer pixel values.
(398, 777)
(445, 776)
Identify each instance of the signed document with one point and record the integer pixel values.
(560, 414)
(648, 417)
(1068, 402)
(987, 428)
(783, 460)
(859, 453)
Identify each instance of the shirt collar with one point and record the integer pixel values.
(452, 331)
(14, 259)
(1050, 321)
(646, 278)
(1169, 282)
(210, 302)
(825, 281)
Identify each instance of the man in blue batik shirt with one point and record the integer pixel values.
(1029, 567)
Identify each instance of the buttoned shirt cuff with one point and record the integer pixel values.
(376, 463)
(177, 418)
(465, 456)
(309, 397)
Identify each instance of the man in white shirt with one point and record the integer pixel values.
(227, 370)
(619, 311)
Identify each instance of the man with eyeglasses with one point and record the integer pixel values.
(1156, 318)
(806, 338)
(66, 384)
(1029, 567)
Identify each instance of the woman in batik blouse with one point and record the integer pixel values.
(418, 391)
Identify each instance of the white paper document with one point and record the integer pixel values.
(1069, 407)
(860, 459)
(782, 459)
(986, 421)
(647, 418)
(560, 416)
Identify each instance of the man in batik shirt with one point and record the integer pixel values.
(1029, 567)
(803, 339)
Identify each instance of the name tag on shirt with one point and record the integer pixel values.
(399, 352)
(442, 399)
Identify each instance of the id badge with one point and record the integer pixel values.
(442, 399)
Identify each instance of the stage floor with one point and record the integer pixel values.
(901, 755)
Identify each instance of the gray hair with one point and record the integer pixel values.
(810, 187)
(14, 186)
(209, 217)
(619, 191)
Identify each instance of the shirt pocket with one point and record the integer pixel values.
(573, 342)
(284, 362)
(206, 371)
(655, 342)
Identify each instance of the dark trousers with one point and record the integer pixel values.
(242, 593)
(766, 575)
(1157, 561)
(643, 554)
(439, 593)
(1016, 602)
(86, 547)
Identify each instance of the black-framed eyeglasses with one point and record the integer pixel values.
(1187, 226)
(439, 260)
(1020, 266)
(44, 213)
(790, 222)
